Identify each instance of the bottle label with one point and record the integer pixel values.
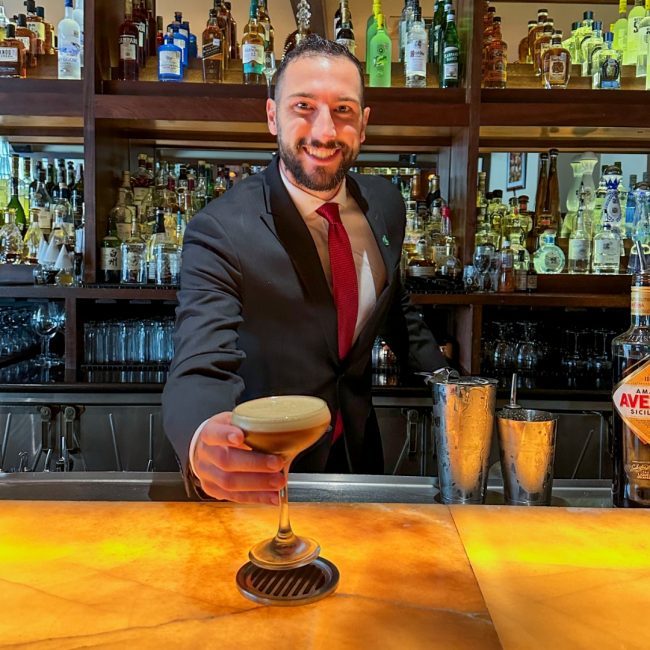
(640, 304)
(578, 249)
(632, 400)
(557, 68)
(110, 259)
(212, 49)
(44, 219)
(38, 28)
(128, 47)
(142, 28)
(9, 54)
(133, 262)
(252, 58)
(380, 59)
(169, 63)
(123, 230)
(421, 271)
(607, 251)
(450, 63)
(610, 73)
(416, 57)
(612, 209)
(347, 42)
(25, 40)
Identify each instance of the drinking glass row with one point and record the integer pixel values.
(131, 341)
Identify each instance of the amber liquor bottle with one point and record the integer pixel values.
(13, 55)
(631, 397)
(129, 38)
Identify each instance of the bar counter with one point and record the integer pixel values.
(162, 574)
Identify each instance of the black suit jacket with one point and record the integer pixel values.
(256, 316)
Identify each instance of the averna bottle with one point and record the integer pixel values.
(631, 416)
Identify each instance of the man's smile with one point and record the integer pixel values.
(321, 154)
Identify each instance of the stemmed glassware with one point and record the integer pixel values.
(47, 319)
(269, 70)
(283, 425)
(483, 254)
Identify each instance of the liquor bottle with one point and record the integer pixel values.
(620, 27)
(641, 228)
(165, 255)
(371, 30)
(415, 54)
(542, 43)
(3, 21)
(507, 268)
(542, 15)
(524, 54)
(612, 212)
(152, 29)
(170, 60)
(48, 44)
(29, 39)
(531, 278)
(264, 21)
(552, 200)
(129, 64)
(631, 438)
(636, 15)
(580, 242)
(630, 207)
(62, 213)
(496, 58)
(159, 235)
(253, 50)
(437, 25)
(224, 20)
(40, 198)
(133, 258)
(77, 198)
(303, 18)
(13, 55)
(644, 43)
(345, 35)
(212, 50)
(78, 16)
(590, 49)
(11, 240)
(14, 201)
(180, 41)
(233, 52)
(406, 17)
(69, 46)
(37, 25)
(450, 54)
(33, 239)
(141, 21)
(548, 258)
(583, 33)
(606, 251)
(556, 64)
(25, 184)
(380, 56)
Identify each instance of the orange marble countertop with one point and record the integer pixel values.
(158, 575)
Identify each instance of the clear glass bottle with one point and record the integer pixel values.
(11, 239)
(380, 56)
(41, 199)
(524, 54)
(631, 367)
(636, 15)
(14, 198)
(606, 256)
(644, 43)
(303, 20)
(542, 43)
(590, 46)
(620, 27)
(416, 53)
(607, 76)
(69, 45)
(580, 243)
(640, 230)
(507, 268)
(548, 258)
(134, 258)
(33, 239)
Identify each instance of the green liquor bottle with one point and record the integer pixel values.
(636, 15)
(371, 30)
(380, 56)
(14, 201)
(450, 54)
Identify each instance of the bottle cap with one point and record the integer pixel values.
(575, 25)
(598, 25)
(21, 20)
(30, 5)
(609, 37)
(588, 15)
(10, 30)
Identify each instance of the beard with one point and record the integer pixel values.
(319, 180)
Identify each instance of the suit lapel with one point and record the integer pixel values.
(286, 223)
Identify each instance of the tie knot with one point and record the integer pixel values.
(330, 211)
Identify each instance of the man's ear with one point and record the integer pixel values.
(271, 116)
(364, 123)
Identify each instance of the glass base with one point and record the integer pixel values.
(278, 554)
(48, 360)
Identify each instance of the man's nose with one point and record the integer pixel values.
(323, 127)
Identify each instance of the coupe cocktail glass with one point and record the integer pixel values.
(284, 425)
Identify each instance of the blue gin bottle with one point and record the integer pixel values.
(170, 60)
(180, 40)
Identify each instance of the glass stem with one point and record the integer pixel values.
(284, 529)
(45, 347)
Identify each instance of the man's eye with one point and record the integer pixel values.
(302, 106)
(344, 109)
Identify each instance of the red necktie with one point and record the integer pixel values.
(344, 277)
(344, 286)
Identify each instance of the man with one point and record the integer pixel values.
(286, 282)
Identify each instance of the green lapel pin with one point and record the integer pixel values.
(384, 241)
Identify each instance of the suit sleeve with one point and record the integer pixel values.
(203, 378)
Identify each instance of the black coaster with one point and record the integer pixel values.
(288, 587)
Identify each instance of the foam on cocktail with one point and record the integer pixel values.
(281, 414)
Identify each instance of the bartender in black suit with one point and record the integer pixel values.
(286, 281)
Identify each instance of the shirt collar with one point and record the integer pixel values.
(307, 203)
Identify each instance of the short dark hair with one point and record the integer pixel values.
(315, 45)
